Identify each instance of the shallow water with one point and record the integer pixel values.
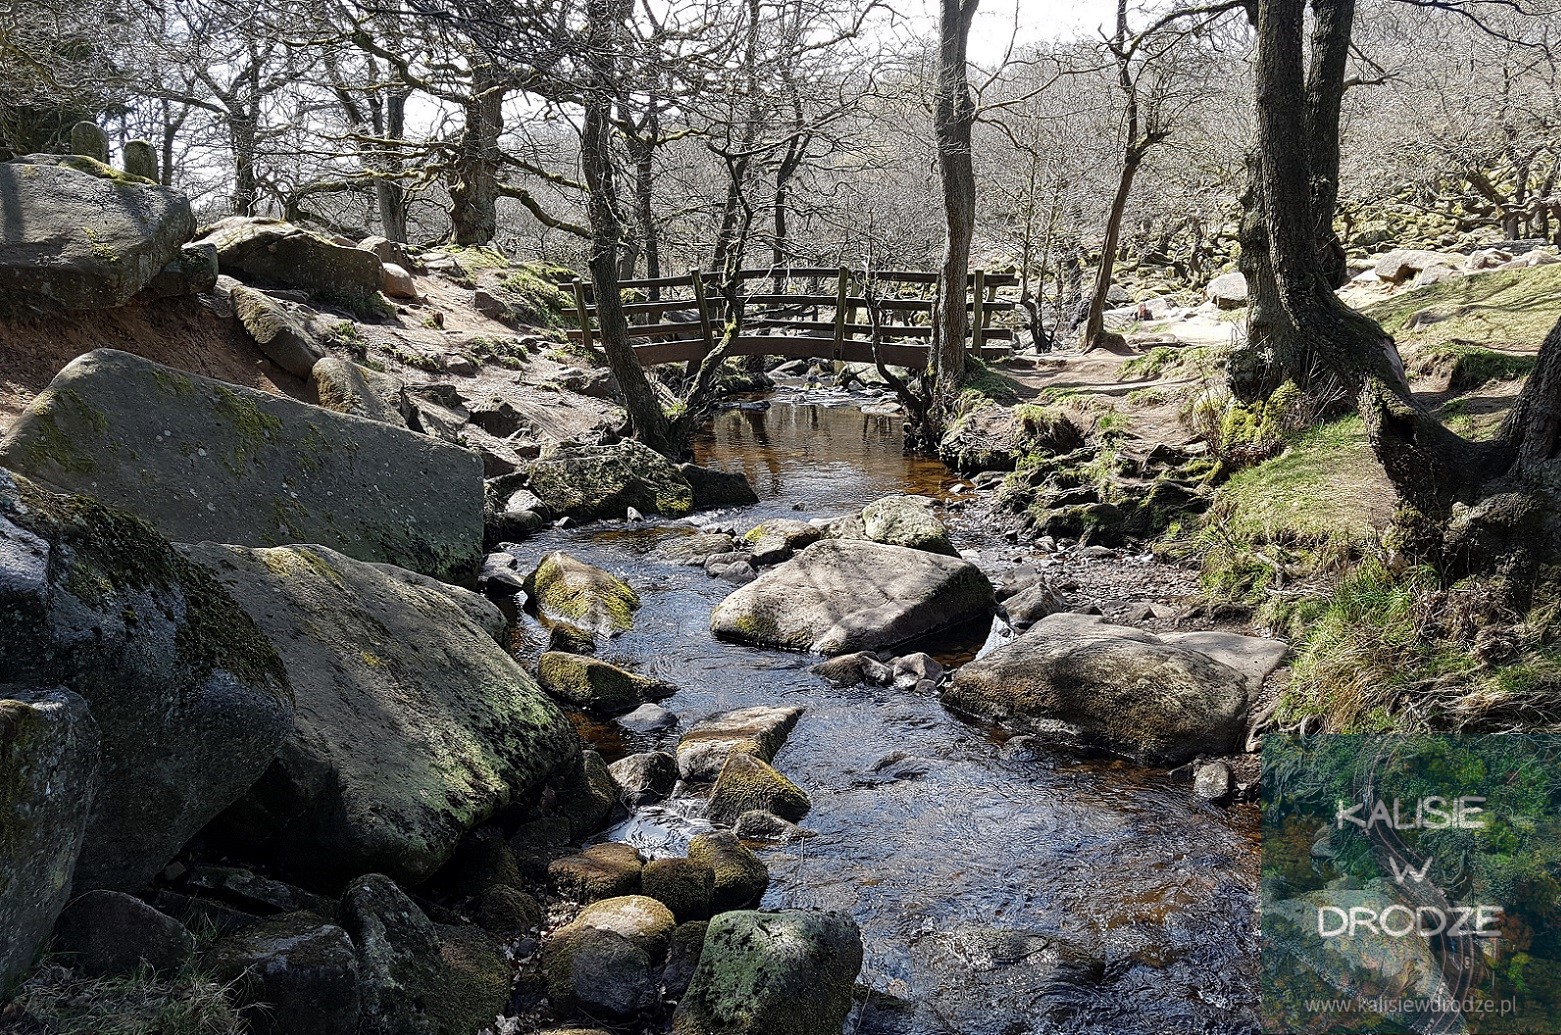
(979, 883)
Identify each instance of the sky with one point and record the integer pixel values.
(1037, 20)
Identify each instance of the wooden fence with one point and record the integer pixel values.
(814, 322)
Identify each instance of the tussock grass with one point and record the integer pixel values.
(189, 1002)
(1503, 310)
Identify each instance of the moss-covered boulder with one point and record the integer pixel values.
(48, 776)
(416, 977)
(413, 725)
(788, 973)
(280, 338)
(839, 596)
(989, 437)
(80, 235)
(567, 589)
(907, 521)
(595, 685)
(745, 784)
(274, 252)
(589, 483)
(587, 797)
(684, 886)
(292, 974)
(346, 387)
(598, 973)
(1159, 700)
(644, 778)
(758, 731)
(190, 698)
(208, 461)
(643, 920)
(601, 871)
(741, 878)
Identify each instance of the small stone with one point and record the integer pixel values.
(396, 282)
(504, 910)
(758, 825)
(647, 718)
(633, 515)
(912, 669)
(759, 731)
(645, 778)
(141, 160)
(644, 921)
(293, 974)
(1213, 782)
(88, 140)
(597, 973)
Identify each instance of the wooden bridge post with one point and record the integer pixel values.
(978, 314)
(585, 313)
(697, 279)
(841, 288)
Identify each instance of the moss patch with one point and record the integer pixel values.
(1504, 310)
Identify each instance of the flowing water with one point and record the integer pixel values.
(994, 896)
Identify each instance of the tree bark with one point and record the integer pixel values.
(1095, 322)
(954, 113)
(474, 186)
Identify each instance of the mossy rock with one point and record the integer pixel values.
(598, 974)
(400, 672)
(274, 252)
(600, 871)
(48, 775)
(758, 731)
(345, 387)
(589, 482)
(80, 235)
(189, 696)
(644, 921)
(588, 798)
(746, 784)
(778, 539)
(266, 470)
(682, 885)
(292, 974)
(595, 685)
(788, 973)
(741, 878)
(906, 521)
(568, 589)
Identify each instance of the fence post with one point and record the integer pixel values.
(978, 314)
(697, 279)
(840, 312)
(584, 312)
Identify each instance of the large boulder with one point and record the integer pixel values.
(49, 755)
(190, 699)
(596, 685)
(788, 973)
(413, 725)
(839, 596)
(907, 521)
(587, 482)
(740, 877)
(1161, 700)
(77, 233)
(416, 977)
(275, 252)
(714, 488)
(1401, 264)
(208, 461)
(748, 785)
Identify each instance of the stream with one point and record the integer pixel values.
(994, 896)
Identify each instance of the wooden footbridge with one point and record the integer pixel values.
(811, 322)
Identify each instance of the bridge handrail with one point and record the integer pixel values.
(695, 336)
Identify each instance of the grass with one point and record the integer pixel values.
(189, 1002)
(533, 291)
(1466, 366)
(1503, 310)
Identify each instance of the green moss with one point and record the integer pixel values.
(1166, 360)
(252, 426)
(49, 445)
(1465, 366)
(532, 291)
(93, 167)
(582, 594)
(1503, 310)
(114, 553)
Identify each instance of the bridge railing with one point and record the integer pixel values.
(826, 319)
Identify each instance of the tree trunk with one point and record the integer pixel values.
(474, 188)
(647, 421)
(953, 114)
(1331, 35)
(1095, 322)
(243, 134)
(389, 194)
